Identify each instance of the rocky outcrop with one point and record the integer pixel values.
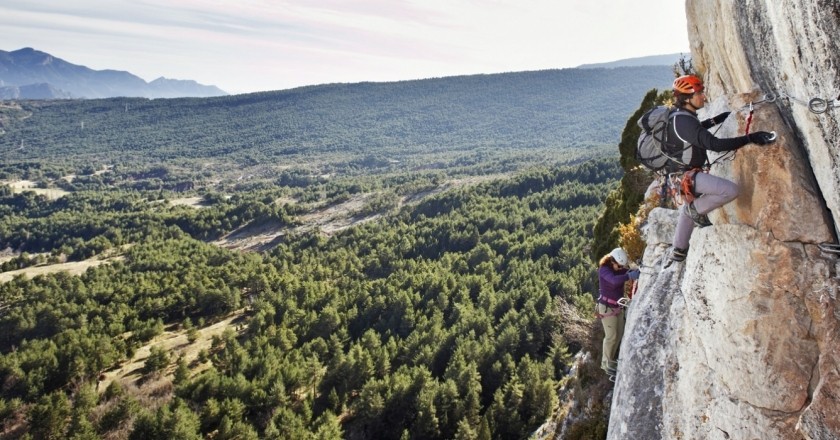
(742, 341)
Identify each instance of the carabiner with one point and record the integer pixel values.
(818, 105)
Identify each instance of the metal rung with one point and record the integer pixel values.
(829, 247)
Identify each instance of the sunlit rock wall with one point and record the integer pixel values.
(742, 340)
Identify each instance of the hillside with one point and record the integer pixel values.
(413, 248)
(368, 261)
(456, 118)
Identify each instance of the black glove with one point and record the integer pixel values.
(720, 118)
(762, 137)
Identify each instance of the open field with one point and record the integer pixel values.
(20, 186)
(73, 268)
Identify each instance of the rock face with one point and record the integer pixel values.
(742, 340)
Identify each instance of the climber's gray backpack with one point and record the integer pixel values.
(653, 149)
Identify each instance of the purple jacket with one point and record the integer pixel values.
(611, 283)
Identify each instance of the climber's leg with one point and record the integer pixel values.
(716, 192)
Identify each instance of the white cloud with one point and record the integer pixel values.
(262, 44)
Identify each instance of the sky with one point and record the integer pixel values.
(256, 45)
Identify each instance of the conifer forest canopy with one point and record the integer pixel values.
(449, 307)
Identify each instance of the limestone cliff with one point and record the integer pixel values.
(742, 340)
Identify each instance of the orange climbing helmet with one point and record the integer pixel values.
(688, 84)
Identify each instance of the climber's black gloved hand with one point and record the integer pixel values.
(762, 138)
(720, 118)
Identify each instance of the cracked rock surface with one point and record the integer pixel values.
(739, 341)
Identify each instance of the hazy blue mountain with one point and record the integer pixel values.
(33, 91)
(653, 60)
(28, 66)
(180, 88)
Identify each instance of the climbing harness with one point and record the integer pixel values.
(615, 312)
(679, 186)
(687, 184)
(669, 187)
(675, 187)
(615, 306)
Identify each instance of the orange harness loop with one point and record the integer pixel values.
(687, 184)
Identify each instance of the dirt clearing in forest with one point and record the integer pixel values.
(73, 268)
(329, 220)
(174, 341)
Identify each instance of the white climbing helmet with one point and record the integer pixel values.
(619, 256)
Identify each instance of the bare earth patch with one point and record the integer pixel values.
(20, 186)
(328, 220)
(175, 342)
(73, 268)
(194, 202)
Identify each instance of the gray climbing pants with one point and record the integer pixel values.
(715, 191)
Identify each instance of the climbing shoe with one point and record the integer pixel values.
(700, 220)
(678, 254)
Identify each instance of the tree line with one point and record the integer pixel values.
(547, 110)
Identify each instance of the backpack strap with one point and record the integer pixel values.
(678, 149)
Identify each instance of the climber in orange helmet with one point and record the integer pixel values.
(711, 192)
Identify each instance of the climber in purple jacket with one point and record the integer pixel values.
(612, 274)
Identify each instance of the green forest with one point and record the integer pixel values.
(470, 122)
(445, 310)
(441, 321)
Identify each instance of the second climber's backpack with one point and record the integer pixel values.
(653, 149)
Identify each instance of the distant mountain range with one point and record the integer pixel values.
(653, 60)
(31, 74)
